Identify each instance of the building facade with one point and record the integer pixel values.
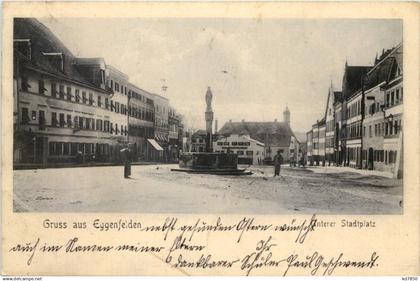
(161, 127)
(174, 146)
(276, 136)
(60, 115)
(249, 151)
(141, 116)
(366, 130)
(382, 138)
(78, 110)
(309, 148)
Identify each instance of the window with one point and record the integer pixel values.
(106, 103)
(401, 94)
(390, 128)
(25, 84)
(53, 90)
(61, 91)
(66, 148)
(73, 147)
(249, 153)
(397, 96)
(33, 117)
(370, 131)
(392, 98)
(112, 105)
(240, 152)
(396, 127)
(54, 122)
(41, 87)
(387, 100)
(25, 115)
(41, 115)
(376, 130)
(69, 123)
(99, 101)
(122, 130)
(81, 122)
(84, 98)
(106, 126)
(52, 148)
(76, 122)
(68, 90)
(90, 99)
(77, 95)
(62, 120)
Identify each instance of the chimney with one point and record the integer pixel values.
(275, 120)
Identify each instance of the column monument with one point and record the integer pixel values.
(209, 120)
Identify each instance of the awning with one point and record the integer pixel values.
(155, 144)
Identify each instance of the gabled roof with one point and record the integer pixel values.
(385, 67)
(352, 79)
(199, 133)
(338, 97)
(270, 133)
(43, 41)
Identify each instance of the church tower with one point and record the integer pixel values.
(286, 116)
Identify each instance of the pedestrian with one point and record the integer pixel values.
(278, 160)
(127, 162)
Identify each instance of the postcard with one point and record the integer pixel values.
(229, 138)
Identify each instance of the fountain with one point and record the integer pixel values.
(210, 162)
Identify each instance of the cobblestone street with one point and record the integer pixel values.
(155, 189)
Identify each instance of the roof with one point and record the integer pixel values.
(44, 41)
(90, 61)
(338, 97)
(270, 133)
(352, 79)
(384, 68)
(200, 133)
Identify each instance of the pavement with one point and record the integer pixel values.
(339, 169)
(156, 189)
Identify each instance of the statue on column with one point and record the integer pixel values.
(209, 97)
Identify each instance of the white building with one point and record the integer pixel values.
(249, 151)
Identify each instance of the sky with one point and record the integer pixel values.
(255, 67)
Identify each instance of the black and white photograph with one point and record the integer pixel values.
(208, 115)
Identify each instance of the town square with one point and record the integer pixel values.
(213, 128)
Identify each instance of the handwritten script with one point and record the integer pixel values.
(177, 246)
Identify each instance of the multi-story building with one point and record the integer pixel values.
(141, 115)
(161, 127)
(173, 135)
(199, 141)
(354, 130)
(117, 103)
(321, 151)
(249, 151)
(69, 109)
(309, 148)
(338, 117)
(351, 112)
(315, 144)
(276, 136)
(60, 114)
(382, 138)
(330, 127)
